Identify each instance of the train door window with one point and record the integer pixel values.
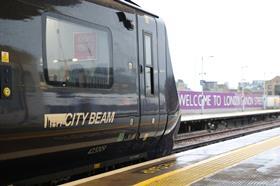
(149, 70)
(77, 54)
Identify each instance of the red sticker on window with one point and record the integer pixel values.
(85, 46)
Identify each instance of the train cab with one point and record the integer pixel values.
(84, 84)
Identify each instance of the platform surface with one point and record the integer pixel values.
(263, 169)
(248, 160)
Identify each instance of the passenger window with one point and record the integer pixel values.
(78, 55)
(149, 70)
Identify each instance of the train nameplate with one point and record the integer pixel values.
(78, 119)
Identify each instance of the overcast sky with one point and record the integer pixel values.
(240, 34)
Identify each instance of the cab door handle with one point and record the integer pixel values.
(141, 68)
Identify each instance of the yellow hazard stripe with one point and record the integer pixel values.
(198, 171)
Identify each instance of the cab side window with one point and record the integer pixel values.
(149, 69)
(77, 54)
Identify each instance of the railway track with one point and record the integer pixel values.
(192, 140)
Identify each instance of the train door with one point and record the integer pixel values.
(148, 77)
(96, 78)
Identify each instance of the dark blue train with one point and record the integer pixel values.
(85, 84)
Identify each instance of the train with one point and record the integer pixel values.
(85, 84)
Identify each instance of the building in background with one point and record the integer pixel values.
(272, 87)
(256, 86)
(209, 85)
(223, 88)
(213, 86)
(181, 85)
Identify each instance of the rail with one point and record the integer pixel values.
(201, 138)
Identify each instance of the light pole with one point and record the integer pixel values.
(242, 88)
(264, 94)
(202, 82)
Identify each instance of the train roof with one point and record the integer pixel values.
(122, 5)
(135, 6)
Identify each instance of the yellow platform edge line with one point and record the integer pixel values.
(272, 140)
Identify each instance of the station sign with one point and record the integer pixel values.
(191, 100)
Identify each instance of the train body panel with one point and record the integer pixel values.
(90, 80)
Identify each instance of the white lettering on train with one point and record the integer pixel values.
(78, 119)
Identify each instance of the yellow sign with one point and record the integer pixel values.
(6, 91)
(5, 57)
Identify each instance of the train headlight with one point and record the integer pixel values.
(7, 92)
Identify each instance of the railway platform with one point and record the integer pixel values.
(195, 117)
(249, 160)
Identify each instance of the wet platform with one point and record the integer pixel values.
(248, 160)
